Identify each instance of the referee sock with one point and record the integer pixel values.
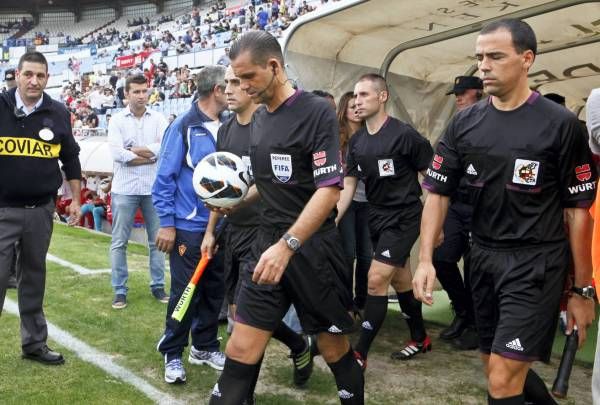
(516, 400)
(375, 310)
(250, 395)
(349, 379)
(535, 390)
(235, 381)
(288, 337)
(412, 308)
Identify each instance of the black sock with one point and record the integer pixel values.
(233, 385)
(288, 337)
(375, 310)
(250, 395)
(349, 379)
(412, 308)
(516, 400)
(535, 390)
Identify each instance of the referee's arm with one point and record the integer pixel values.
(432, 221)
(580, 311)
(346, 196)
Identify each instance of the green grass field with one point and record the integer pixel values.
(80, 305)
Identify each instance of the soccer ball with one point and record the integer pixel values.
(221, 179)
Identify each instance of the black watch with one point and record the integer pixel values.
(292, 242)
(588, 292)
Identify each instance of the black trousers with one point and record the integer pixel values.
(32, 229)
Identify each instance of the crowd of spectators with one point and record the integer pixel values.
(22, 24)
(199, 32)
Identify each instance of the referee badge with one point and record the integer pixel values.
(181, 249)
(46, 134)
(281, 165)
(526, 172)
(386, 167)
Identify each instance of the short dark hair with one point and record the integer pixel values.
(261, 46)
(322, 93)
(523, 37)
(377, 80)
(137, 79)
(33, 57)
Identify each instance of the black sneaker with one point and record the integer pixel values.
(303, 363)
(455, 329)
(469, 340)
(160, 295)
(120, 301)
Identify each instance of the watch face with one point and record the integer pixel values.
(294, 243)
(589, 292)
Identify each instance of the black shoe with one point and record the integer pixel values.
(120, 301)
(45, 355)
(160, 295)
(469, 340)
(456, 328)
(12, 282)
(303, 363)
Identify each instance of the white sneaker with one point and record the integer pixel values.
(174, 371)
(214, 359)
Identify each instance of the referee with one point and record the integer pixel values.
(387, 155)
(35, 135)
(297, 256)
(526, 161)
(243, 222)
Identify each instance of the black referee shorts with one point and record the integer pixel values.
(237, 249)
(516, 295)
(313, 282)
(394, 231)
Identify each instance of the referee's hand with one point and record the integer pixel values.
(423, 282)
(580, 312)
(272, 264)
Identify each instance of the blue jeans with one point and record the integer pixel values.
(354, 227)
(124, 208)
(98, 213)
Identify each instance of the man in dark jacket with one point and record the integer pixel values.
(35, 134)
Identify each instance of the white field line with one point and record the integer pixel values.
(100, 360)
(75, 267)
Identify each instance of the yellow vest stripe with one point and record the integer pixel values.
(11, 146)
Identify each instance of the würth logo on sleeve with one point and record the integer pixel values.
(437, 162)
(319, 158)
(583, 172)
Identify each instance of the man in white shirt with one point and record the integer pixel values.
(134, 136)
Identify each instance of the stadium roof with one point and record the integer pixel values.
(421, 46)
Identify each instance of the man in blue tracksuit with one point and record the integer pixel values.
(183, 219)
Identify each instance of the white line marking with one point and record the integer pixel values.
(100, 359)
(75, 267)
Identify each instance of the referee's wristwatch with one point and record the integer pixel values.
(292, 242)
(588, 292)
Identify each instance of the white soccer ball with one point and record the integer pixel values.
(221, 179)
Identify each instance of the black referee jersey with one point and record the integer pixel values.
(294, 150)
(388, 162)
(235, 138)
(522, 167)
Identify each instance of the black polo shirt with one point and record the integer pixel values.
(235, 138)
(294, 150)
(522, 167)
(388, 162)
